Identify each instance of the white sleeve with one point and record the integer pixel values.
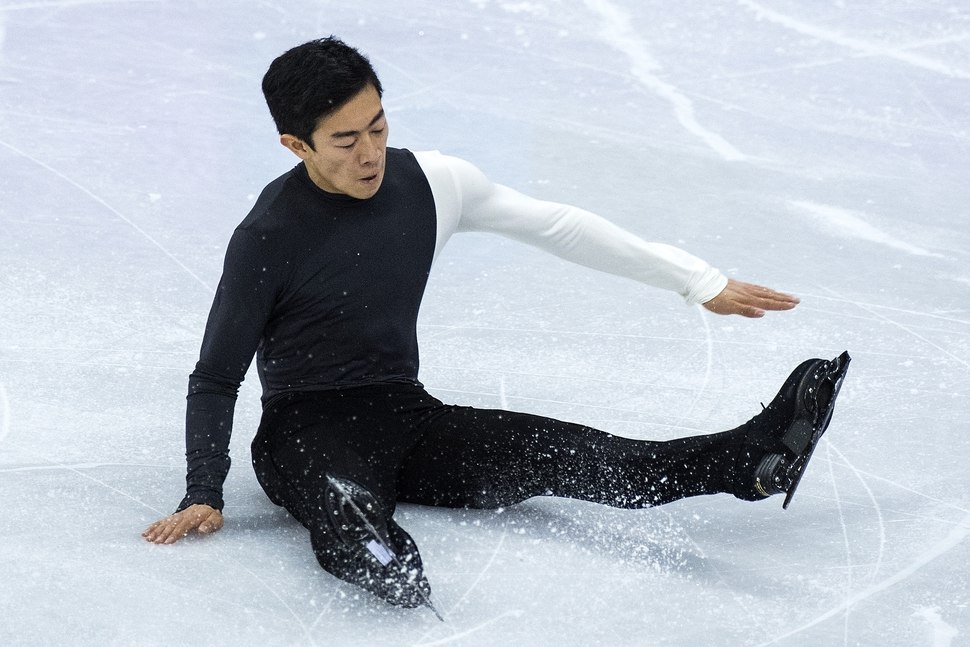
(466, 200)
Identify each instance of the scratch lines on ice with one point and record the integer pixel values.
(464, 596)
(875, 506)
(56, 4)
(111, 209)
(618, 32)
(485, 569)
(80, 466)
(906, 488)
(4, 413)
(709, 364)
(547, 376)
(852, 224)
(77, 471)
(848, 549)
(943, 633)
(915, 334)
(554, 331)
(571, 403)
(225, 553)
(712, 564)
(503, 398)
(948, 543)
(878, 306)
(955, 132)
(272, 590)
(471, 630)
(855, 44)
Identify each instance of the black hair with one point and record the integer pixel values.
(309, 82)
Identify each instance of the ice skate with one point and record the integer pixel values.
(780, 440)
(385, 560)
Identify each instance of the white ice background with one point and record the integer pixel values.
(820, 147)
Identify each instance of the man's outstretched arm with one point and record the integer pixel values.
(466, 200)
(749, 300)
(200, 517)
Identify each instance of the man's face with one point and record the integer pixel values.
(348, 147)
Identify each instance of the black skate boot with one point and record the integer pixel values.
(779, 441)
(381, 557)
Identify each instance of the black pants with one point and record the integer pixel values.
(402, 444)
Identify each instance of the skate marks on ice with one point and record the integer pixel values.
(508, 391)
(846, 223)
(959, 530)
(898, 52)
(928, 497)
(708, 363)
(99, 200)
(581, 545)
(618, 32)
(60, 4)
(872, 310)
(943, 633)
(4, 413)
(942, 547)
(850, 566)
(830, 448)
(225, 552)
(846, 546)
(459, 634)
(872, 307)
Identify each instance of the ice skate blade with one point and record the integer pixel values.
(829, 382)
(428, 604)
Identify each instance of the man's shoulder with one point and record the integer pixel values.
(402, 160)
(274, 202)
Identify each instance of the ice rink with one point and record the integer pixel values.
(820, 147)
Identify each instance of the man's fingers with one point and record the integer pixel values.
(764, 297)
(212, 523)
(154, 531)
(168, 530)
(180, 529)
(174, 527)
(778, 301)
(749, 300)
(770, 304)
(751, 312)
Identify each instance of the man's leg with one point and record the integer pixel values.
(488, 458)
(484, 458)
(330, 459)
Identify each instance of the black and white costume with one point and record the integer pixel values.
(324, 290)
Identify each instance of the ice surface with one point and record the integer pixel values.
(821, 148)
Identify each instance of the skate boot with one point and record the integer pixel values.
(381, 557)
(779, 441)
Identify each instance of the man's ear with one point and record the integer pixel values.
(296, 145)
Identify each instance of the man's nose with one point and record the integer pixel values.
(370, 149)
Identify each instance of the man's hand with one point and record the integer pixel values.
(169, 530)
(749, 300)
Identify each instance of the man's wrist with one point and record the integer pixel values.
(209, 498)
